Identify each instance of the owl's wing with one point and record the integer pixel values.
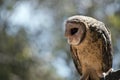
(76, 60)
(106, 45)
(107, 49)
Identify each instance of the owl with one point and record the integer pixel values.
(90, 45)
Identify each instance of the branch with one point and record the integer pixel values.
(114, 75)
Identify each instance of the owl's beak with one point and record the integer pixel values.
(71, 35)
(73, 41)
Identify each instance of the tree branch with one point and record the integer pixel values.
(114, 75)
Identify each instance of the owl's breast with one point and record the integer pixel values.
(90, 54)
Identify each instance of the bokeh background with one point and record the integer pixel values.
(32, 42)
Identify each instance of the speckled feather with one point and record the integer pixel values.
(95, 49)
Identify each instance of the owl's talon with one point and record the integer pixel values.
(107, 73)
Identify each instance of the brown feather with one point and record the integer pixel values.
(93, 55)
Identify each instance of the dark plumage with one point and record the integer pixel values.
(90, 44)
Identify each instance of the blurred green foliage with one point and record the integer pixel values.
(115, 21)
(20, 59)
(12, 59)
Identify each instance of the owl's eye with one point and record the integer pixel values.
(74, 30)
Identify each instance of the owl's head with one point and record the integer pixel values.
(75, 30)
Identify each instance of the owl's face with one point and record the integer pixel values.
(75, 32)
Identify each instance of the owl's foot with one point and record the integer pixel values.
(107, 73)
